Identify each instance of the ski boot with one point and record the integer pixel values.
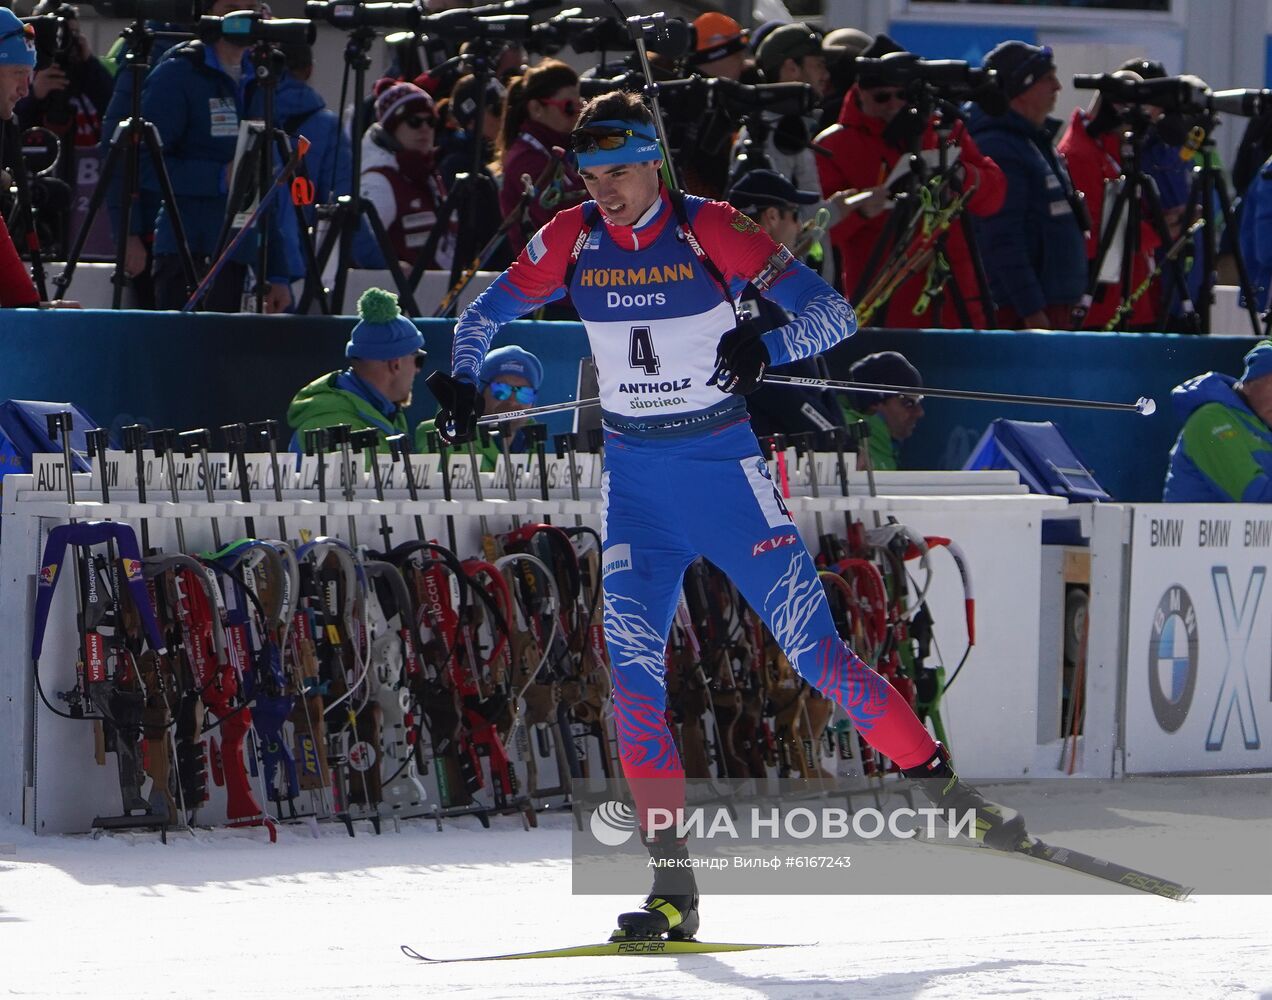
(671, 908)
(996, 826)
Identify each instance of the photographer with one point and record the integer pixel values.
(866, 144)
(1034, 247)
(1092, 148)
(196, 98)
(539, 113)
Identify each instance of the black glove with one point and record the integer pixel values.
(461, 405)
(741, 358)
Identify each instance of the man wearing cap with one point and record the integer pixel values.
(654, 275)
(1224, 451)
(704, 141)
(17, 59)
(509, 380)
(196, 98)
(890, 416)
(1034, 247)
(385, 352)
(866, 144)
(772, 203)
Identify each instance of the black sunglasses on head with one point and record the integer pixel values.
(415, 121)
(590, 139)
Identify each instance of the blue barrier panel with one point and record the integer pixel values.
(166, 369)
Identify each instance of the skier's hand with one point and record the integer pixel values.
(461, 405)
(741, 359)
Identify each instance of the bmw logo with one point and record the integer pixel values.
(1172, 658)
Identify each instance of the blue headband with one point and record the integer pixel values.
(640, 147)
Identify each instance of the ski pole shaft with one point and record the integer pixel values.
(164, 444)
(267, 429)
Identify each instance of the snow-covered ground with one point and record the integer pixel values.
(227, 915)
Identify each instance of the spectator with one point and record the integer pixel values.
(772, 202)
(196, 98)
(1256, 234)
(840, 47)
(1224, 451)
(509, 380)
(399, 172)
(300, 110)
(866, 145)
(68, 98)
(1092, 149)
(704, 140)
(17, 59)
(540, 112)
(891, 417)
(1034, 247)
(385, 352)
(140, 243)
(458, 144)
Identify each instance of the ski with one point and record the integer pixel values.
(657, 946)
(1033, 849)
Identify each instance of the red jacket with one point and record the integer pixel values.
(1091, 163)
(530, 154)
(862, 158)
(16, 288)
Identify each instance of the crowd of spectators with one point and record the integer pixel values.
(988, 215)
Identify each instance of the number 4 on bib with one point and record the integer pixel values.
(640, 353)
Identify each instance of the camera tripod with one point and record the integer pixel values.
(1209, 185)
(22, 219)
(346, 213)
(131, 135)
(254, 180)
(1137, 190)
(908, 248)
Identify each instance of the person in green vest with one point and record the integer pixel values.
(510, 379)
(891, 416)
(385, 352)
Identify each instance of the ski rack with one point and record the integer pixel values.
(50, 797)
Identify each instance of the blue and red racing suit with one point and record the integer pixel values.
(683, 472)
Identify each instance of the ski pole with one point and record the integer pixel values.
(135, 445)
(368, 440)
(197, 441)
(289, 168)
(164, 444)
(316, 444)
(235, 436)
(266, 429)
(338, 435)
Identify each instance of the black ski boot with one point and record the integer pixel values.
(671, 908)
(996, 826)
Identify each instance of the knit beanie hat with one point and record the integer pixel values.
(717, 36)
(1258, 361)
(17, 40)
(1019, 65)
(397, 99)
(382, 333)
(511, 360)
(883, 368)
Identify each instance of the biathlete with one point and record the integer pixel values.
(653, 275)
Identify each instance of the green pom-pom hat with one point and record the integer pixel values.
(382, 332)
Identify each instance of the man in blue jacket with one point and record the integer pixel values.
(1224, 451)
(1034, 248)
(195, 98)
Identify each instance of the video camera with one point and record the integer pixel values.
(347, 15)
(246, 27)
(54, 37)
(1186, 95)
(952, 80)
(167, 11)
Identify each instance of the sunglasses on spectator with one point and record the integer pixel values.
(415, 121)
(420, 358)
(568, 105)
(910, 402)
(502, 391)
(886, 96)
(590, 139)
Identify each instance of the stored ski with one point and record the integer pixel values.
(657, 946)
(1086, 864)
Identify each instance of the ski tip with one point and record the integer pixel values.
(410, 952)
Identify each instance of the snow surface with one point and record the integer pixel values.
(225, 914)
